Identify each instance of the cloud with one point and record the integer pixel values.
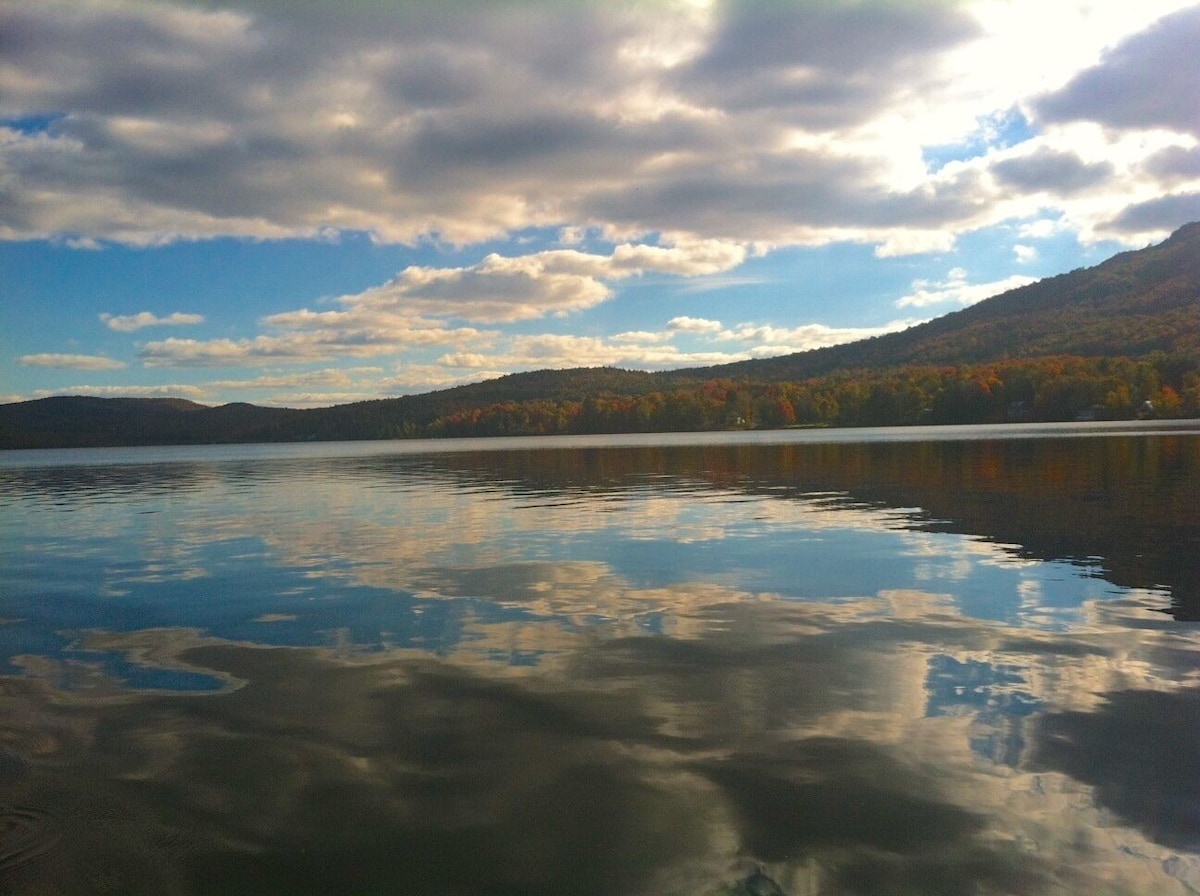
(1041, 228)
(697, 258)
(956, 290)
(1047, 170)
(71, 362)
(1156, 215)
(694, 325)
(1147, 81)
(333, 376)
(653, 350)
(779, 123)
(423, 306)
(319, 399)
(506, 289)
(169, 390)
(302, 345)
(1175, 164)
(769, 340)
(499, 290)
(818, 66)
(556, 350)
(128, 323)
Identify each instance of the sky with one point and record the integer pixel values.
(307, 203)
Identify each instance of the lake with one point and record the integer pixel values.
(922, 661)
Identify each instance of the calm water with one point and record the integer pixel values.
(925, 662)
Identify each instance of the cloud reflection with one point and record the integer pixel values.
(525, 674)
(763, 734)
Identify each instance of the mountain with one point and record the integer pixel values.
(1137, 305)
(1131, 305)
(78, 421)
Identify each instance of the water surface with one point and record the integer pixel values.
(944, 661)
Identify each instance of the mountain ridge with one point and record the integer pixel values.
(1138, 304)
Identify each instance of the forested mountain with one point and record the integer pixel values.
(1115, 341)
(1131, 305)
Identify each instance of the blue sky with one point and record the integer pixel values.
(307, 203)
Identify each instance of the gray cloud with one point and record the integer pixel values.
(1163, 213)
(411, 120)
(774, 195)
(103, 59)
(824, 64)
(1150, 80)
(1062, 173)
(1175, 163)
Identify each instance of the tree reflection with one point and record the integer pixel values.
(1127, 506)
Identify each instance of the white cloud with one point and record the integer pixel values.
(318, 399)
(765, 340)
(128, 323)
(955, 290)
(465, 360)
(504, 289)
(421, 305)
(418, 378)
(1025, 254)
(71, 362)
(654, 351)
(1041, 228)
(688, 259)
(694, 325)
(325, 342)
(642, 337)
(343, 377)
(172, 390)
(768, 340)
(563, 351)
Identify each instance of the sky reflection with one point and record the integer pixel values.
(690, 672)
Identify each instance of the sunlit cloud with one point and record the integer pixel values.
(409, 310)
(563, 351)
(334, 376)
(128, 323)
(956, 290)
(807, 337)
(766, 340)
(304, 346)
(505, 289)
(694, 325)
(646, 350)
(1025, 254)
(167, 390)
(317, 399)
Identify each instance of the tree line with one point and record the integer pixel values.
(1034, 389)
(1041, 389)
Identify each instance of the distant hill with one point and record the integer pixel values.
(78, 421)
(1138, 304)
